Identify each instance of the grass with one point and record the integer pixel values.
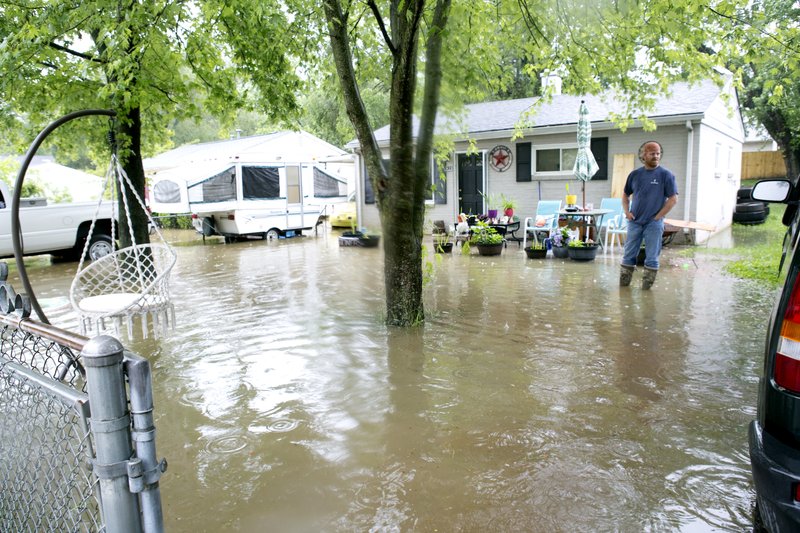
(758, 249)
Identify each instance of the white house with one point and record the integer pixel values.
(699, 126)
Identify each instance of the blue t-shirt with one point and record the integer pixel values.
(650, 189)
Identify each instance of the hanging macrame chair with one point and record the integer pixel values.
(129, 282)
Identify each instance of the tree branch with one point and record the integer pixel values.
(75, 53)
(379, 19)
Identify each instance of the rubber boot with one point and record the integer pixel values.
(649, 277)
(626, 275)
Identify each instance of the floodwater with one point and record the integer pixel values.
(538, 396)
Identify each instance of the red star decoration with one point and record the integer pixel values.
(500, 158)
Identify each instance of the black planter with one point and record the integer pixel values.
(357, 238)
(370, 241)
(443, 248)
(582, 253)
(490, 249)
(561, 252)
(536, 253)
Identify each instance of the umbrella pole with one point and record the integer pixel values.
(583, 191)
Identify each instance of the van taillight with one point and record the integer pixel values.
(787, 358)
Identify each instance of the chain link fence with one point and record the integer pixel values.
(61, 470)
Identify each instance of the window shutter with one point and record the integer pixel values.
(440, 181)
(524, 162)
(599, 148)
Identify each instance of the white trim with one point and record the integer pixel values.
(551, 174)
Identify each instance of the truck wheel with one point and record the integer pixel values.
(273, 234)
(99, 246)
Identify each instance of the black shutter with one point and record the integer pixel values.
(600, 150)
(440, 181)
(369, 194)
(524, 162)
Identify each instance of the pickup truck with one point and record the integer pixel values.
(59, 229)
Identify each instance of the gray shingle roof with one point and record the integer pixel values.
(482, 118)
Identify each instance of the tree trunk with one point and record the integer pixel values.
(129, 129)
(400, 193)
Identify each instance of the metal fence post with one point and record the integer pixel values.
(110, 423)
(144, 434)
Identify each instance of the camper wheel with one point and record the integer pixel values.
(272, 234)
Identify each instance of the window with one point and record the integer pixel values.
(220, 187)
(260, 183)
(165, 191)
(556, 159)
(327, 185)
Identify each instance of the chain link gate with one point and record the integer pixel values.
(63, 465)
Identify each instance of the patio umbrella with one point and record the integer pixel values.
(585, 164)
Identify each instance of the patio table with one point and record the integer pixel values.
(591, 216)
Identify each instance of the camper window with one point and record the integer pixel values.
(328, 186)
(167, 192)
(221, 187)
(260, 183)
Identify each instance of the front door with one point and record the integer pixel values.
(470, 182)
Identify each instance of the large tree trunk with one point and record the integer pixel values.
(400, 193)
(130, 131)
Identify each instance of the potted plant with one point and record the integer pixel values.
(579, 250)
(360, 237)
(508, 206)
(492, 202)
(537, 250)
(442, 244)
(486, 238)
(560, 242)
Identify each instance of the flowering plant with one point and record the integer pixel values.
(561, 238)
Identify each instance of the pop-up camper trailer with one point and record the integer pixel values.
(275, 185)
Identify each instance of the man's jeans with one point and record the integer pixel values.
(651, 234)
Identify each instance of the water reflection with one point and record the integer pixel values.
(537, 397)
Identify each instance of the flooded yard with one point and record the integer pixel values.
(538, 396)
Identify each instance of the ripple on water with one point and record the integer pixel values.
(719, 495)
(227, 444)
(280, 425)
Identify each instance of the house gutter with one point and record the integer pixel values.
(597, 126)
(687, 202)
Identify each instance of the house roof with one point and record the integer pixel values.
(286, 146)
(562, 110)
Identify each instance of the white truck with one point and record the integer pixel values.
(58, 229)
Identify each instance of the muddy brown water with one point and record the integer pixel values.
(538, 396)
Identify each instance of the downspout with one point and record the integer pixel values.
(687, 203)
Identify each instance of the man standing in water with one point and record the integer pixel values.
(654, 193)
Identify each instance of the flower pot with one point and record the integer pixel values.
(509, 213)
(443, 248)
(350, 238)
(369, 241)
(582, 253)
(561, 252)
(572, 199)
(490, 249)
(536, 253)
(492, 213)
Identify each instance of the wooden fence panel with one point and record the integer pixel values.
(757, 165)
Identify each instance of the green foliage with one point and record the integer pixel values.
(174, 221)
(483, 233)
